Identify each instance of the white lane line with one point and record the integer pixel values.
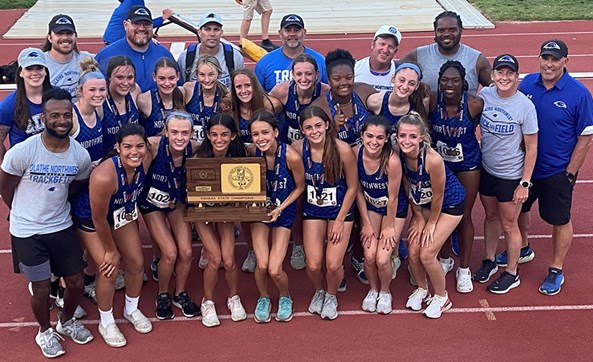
(243, 243)
(520, 309)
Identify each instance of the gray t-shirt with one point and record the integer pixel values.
(431, 60)
(225, 77)
(504, 122)
(40, 204)
(66, 75)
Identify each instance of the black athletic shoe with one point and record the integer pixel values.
(268, 45)
(154, 269)
(488, 269)
(187, 306)
(505, 282)
(164, 309)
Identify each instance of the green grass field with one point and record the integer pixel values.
(495, 10)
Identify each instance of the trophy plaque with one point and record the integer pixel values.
(226, 189)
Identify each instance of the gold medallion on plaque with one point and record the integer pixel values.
(237, 178)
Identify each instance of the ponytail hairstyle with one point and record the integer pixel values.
(90, 70)
(414, 119)
(119, 61)
(164, 62)
(213, 63)
(306, 58)
(128, 129)
(416, 99)
(331, 157)
(264, 116)
(236, 147)
(387, 149)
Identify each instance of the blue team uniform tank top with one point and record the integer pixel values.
(92, 140)
(155, 122)
(454, 138)
(420, 192)
(350, 131)
(279, 185)
(200, 112)
(244, 133)
(112, 121)
(322, 199)
(165, 184)
(291, 128)
(122, 204)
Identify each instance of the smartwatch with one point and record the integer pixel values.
(525, 184)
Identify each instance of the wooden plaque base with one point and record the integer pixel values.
(226, 213)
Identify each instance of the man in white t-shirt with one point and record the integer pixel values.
(35, 180)
(378, 68)
(62, 55)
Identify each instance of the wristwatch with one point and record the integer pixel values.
(525, 184)
(570, 176)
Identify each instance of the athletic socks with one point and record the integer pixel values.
(131, 304)
(106, 317)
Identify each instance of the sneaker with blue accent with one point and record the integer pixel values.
(343, 286)
(357, 264)
(553, 282)
(505, 282)
(262, 310)
(284, 309)
(154, 269)
(527, 254)
(455, 243)
(362, 277)
(402, 250)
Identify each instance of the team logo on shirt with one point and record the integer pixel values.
(560, 104)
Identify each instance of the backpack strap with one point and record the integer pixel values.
(228, 56)
(190, 56)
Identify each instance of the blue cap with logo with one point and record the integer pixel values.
(210, 17)
(31, 56)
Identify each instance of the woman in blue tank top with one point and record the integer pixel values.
(408, 95)
(454, 116)
(437, 201)
(219, 238)
(162, 204)
(203, 97)
(345, 102)
(156, 103)
(331, 183)
(382, 213)
(248, 96)
(120, 107)
(297, 94)
(285, 182)
(115, 185)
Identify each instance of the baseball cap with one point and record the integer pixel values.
(139, 13)
(389, 30)
(292, 19)
(60, 23)
(210, 17)
(555, 47)
(506, 60)
(31, 56)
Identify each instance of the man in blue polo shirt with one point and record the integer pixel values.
(138, 46)
(274, 67)
(565, 118)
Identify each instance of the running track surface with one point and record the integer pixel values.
(521, 325)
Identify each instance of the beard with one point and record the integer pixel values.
(58, 135)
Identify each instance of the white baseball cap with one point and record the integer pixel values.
(389, 30)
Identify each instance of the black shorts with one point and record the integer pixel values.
(454, 210)
(493, 186)
(84, 225)
(555, 198)
(40, 255)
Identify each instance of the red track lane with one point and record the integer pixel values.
(540, 328)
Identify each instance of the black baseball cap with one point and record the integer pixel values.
(60, 23)
(506, 60)
(292, 19)
(555, 47)
(139, 13)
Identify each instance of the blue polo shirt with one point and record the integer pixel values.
(564, 113)
(274, 67)
(143, 61)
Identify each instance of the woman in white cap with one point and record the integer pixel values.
(20, 114)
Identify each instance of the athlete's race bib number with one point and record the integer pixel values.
(158, 198)
(420, 196)
(294, 134)
(120, 219)
(450, 154)
(328, 196)
(199, 134)
(378, 202)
